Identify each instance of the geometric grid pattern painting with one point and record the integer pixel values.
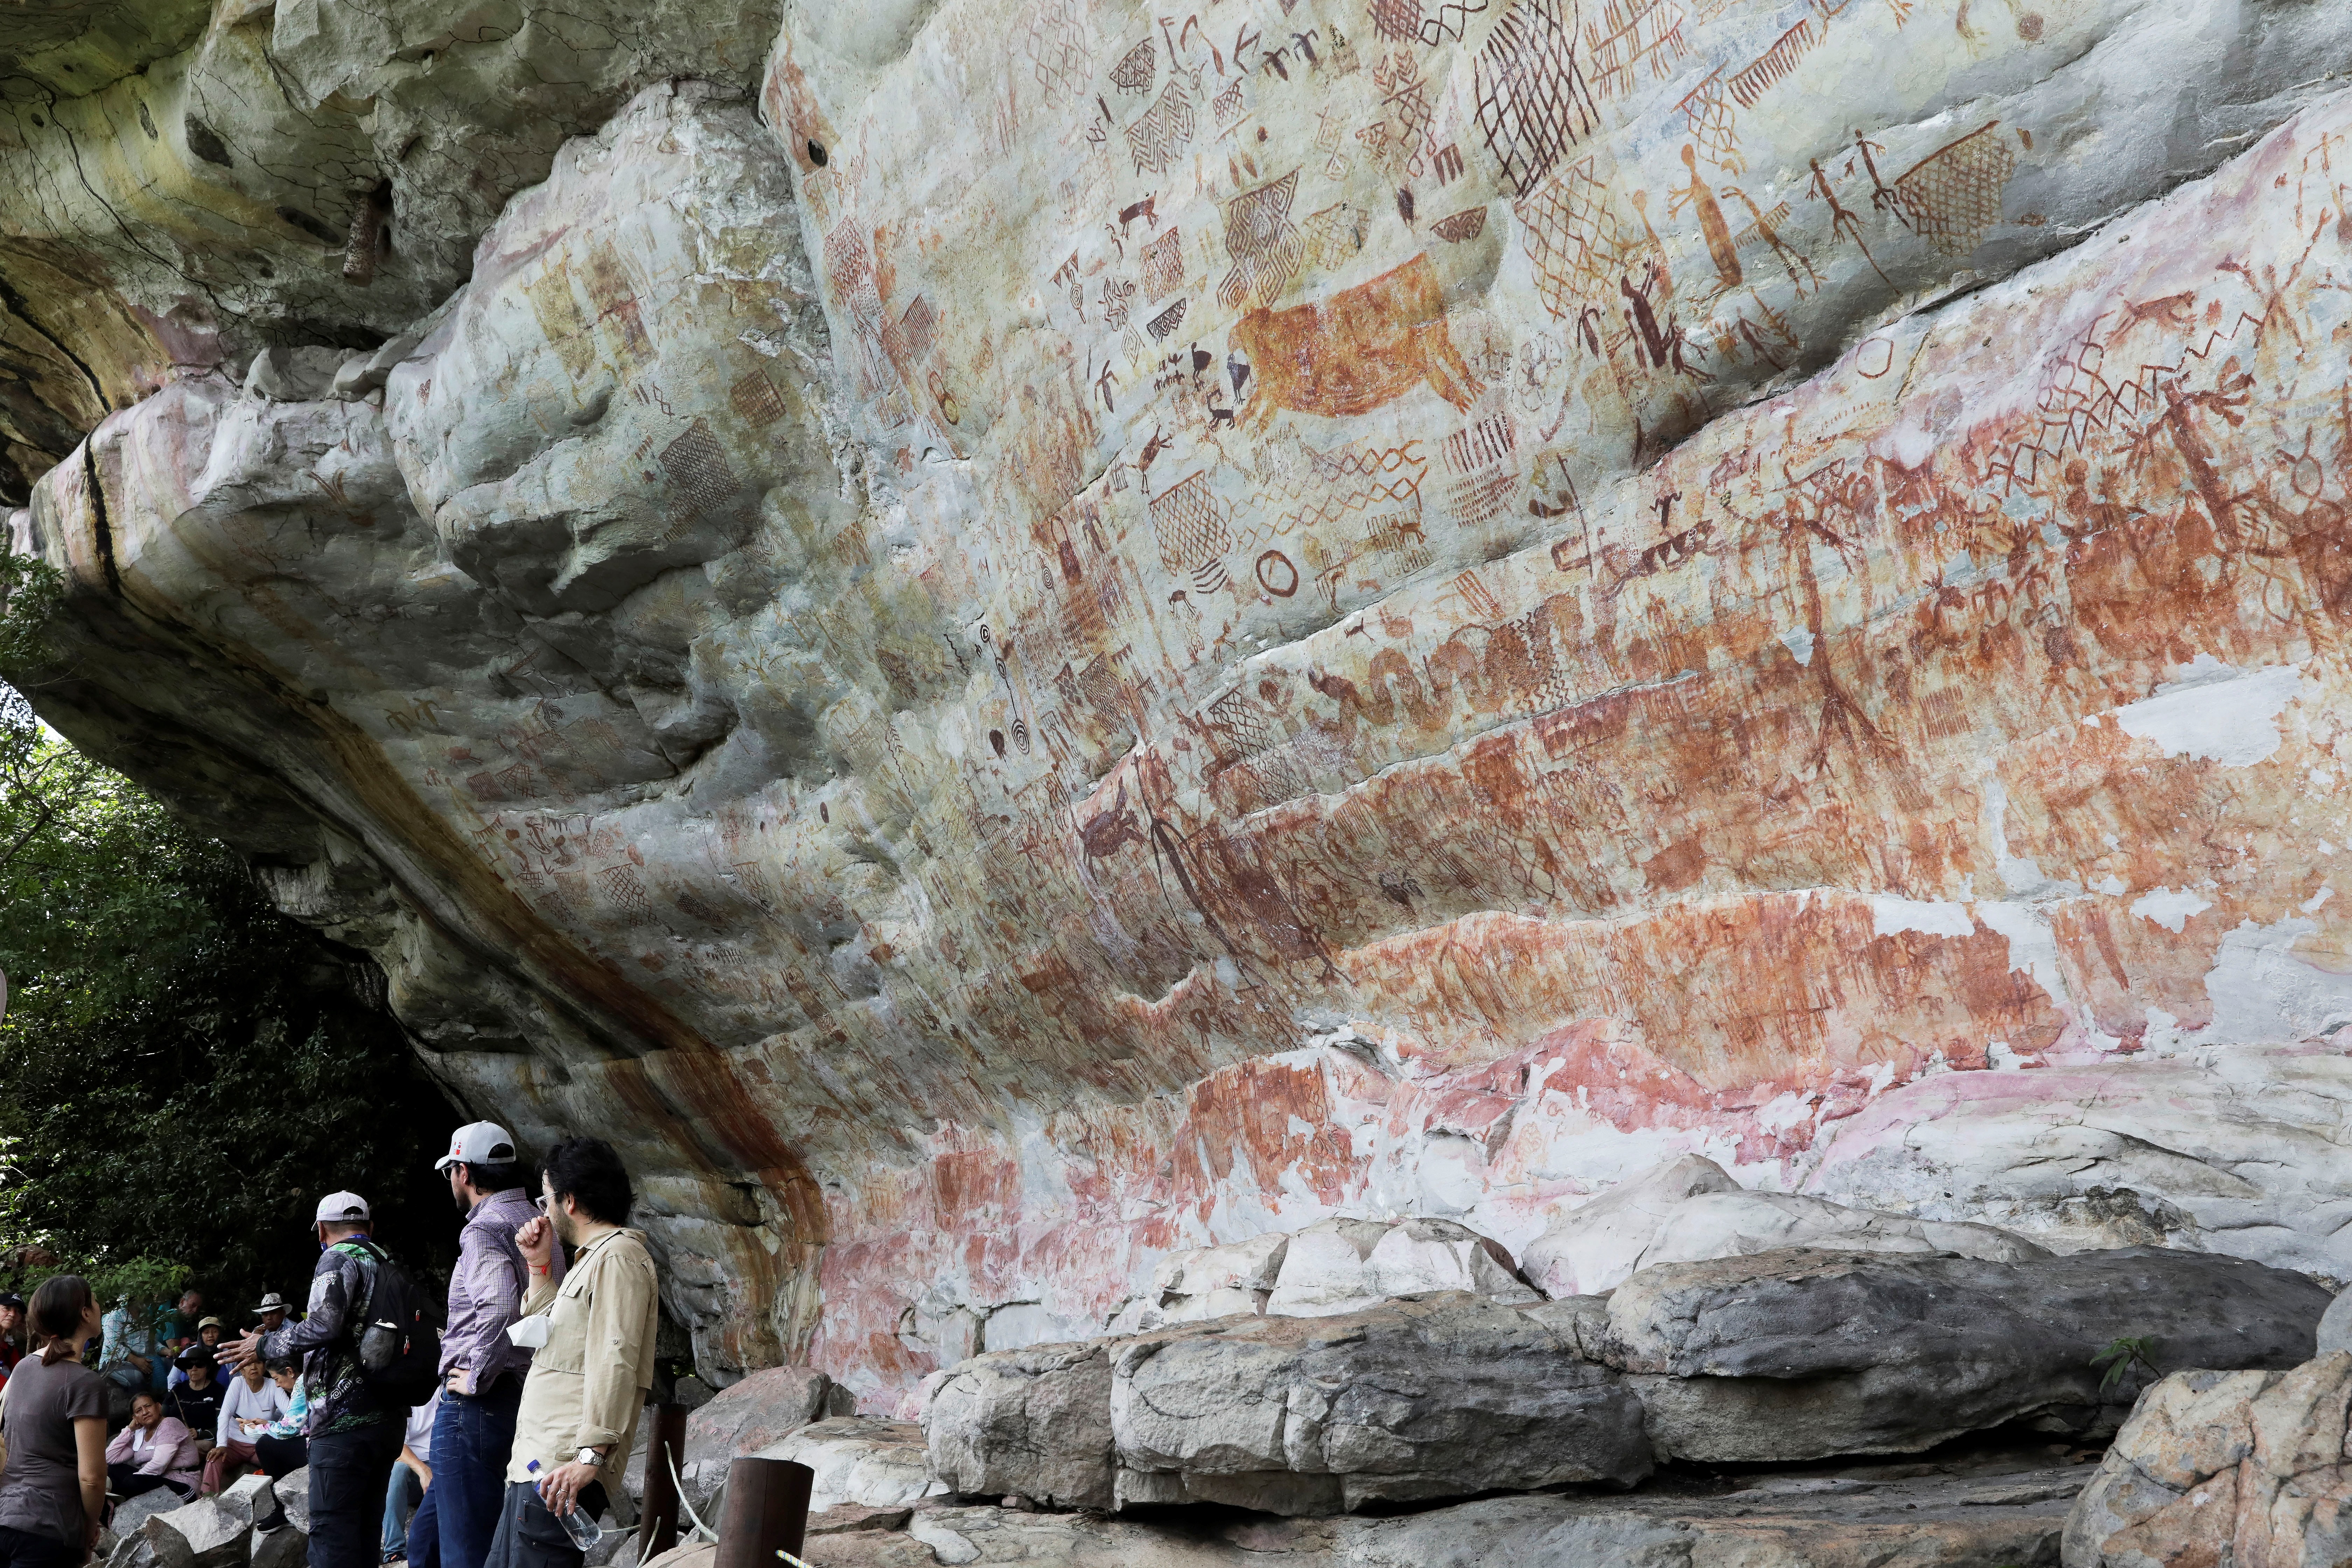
(1532, 103)
(1632, 32)
(1951, 198)
(1570, 232)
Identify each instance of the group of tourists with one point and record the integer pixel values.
(546, 1354)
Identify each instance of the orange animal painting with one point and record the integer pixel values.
(1363, 347)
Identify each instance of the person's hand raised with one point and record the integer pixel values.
(235, 1353)
(536, 1238)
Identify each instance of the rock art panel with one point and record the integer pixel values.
(1020, 639)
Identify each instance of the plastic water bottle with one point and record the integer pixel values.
(585, 1532)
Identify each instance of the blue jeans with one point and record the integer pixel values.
(400, 1500)
(473, 1435)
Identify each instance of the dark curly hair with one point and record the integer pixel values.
(591, 1175)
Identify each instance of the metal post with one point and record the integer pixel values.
(767, 1512)
(657, 1531)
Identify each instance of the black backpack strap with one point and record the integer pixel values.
(368, 1260)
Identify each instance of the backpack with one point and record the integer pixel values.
(398, 1333)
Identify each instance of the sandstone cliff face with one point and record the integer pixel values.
(1005, 639)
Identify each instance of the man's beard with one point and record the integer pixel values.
(464, 1205)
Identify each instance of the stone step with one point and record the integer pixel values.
(1917, 1516)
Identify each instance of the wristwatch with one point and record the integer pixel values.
(591, 1458)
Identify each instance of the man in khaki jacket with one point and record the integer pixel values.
(594, 1355)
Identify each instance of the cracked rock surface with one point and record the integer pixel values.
(1949, 1515)
(1011, 638)
(2225, 1467)
(1775, 1358)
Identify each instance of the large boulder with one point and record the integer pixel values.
(745, 1416)
(131, 1514)
(292, 1491)
(281, 1547)
(1441, 1397)
(1595, 1245)
(740, 1420)
(1919, 1516)
(1799, 1354)
(2226, 1467)
(1423, 1255)
(200, 1534)
(251, 1498)
(1327, 1270)
(860, 1460)
(1219, 1281)
(1734, 1224)
(1034, 1421)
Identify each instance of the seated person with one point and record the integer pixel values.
(209, 1339)
(153, 1451)
(195, 1395)
(410, 1476)
(248, 1405)
(280, 1447)
(128, 1354)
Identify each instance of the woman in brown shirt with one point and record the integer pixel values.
(53, 1492)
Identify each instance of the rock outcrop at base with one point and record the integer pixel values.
(2226, 1470)
(255, 1522)
(1926, 1515)
(1777, 1357)
(1800, 1354)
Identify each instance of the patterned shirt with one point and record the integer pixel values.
(340, 1399)
(486, 1293)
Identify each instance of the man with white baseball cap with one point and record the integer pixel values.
(482, 1370)
(353, 1437)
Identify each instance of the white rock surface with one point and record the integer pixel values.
(1327, 1270)
(874, 1464)
(2237, 1149)
(1418, 1256)
(250, 1498)
(1732, 1224)
(1592, 1246)
(292, 1490)
(199, 1534)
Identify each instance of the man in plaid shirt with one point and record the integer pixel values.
(482, 1370)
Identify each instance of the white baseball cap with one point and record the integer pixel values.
(477, 1143)
(341, 1209)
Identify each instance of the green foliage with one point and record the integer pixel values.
(183, 1071)
(2121, 1355)
(30, 590)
